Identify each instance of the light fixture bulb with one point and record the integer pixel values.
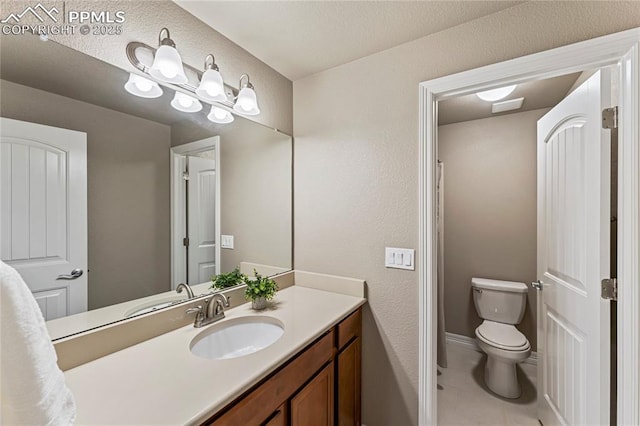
(143, 87)
(211, 86)
(167, 63)
(185, 103)
(219, 115)
(247, 102)
(496, 94)
(167, 66)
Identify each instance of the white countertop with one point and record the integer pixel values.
(160, 381)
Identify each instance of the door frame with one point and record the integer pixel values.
(178, 197)
(624, 48)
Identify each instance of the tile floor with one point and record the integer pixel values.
(463, 398)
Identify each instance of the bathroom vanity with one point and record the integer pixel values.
(309, 375)
(318, 383)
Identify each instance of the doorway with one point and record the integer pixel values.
(195, 211)
(620, 50)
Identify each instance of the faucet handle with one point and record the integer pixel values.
(194, 310)
(226, 300)
(199, 319)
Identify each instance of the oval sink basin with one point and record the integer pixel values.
(237, 337)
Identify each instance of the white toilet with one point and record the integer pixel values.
(501, 305)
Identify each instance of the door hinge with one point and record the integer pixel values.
(609, 289)
(610, 118)
(185, 241)
(185, 175)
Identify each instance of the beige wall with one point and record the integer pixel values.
(356, 170)
(255, 190)
(489, 212)
(128, 191)
(193, 39)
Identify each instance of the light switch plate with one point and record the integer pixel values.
(226, 241)
(399, 258)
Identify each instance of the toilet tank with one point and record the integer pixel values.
(500, 301)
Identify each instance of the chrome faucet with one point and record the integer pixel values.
(213, 310)
(183, 286)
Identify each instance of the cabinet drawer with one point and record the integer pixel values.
(349, 328)
(260, 403)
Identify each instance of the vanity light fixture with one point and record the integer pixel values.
(496, 94)
(143, 87)
(185, 103)
(211, 86)
(219, 115)
(167, 63)
(164, 66)
(246, 103)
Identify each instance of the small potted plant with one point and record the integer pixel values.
(259, 290)
(231, 279)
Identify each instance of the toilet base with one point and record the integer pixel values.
(501, 377)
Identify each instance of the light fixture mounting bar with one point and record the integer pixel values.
(230, 91)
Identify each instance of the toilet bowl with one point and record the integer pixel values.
(501, 304)
(505, 349)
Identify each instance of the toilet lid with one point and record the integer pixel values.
(505, 336)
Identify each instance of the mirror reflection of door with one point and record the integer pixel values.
(201, 218)
(43, 212)
(196, 211)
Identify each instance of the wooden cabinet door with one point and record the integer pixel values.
(348, 406)
(313, 405)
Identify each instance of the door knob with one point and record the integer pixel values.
(538, 285)
(76, 273)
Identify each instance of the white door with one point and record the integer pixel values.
(43, 212)
(201, 219)
(573, 257)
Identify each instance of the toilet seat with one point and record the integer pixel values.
(502, 336)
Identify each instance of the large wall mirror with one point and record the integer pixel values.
(109, 201)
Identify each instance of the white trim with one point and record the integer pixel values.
(472, 344)
(590, 54)
(178, 220)
(629, 241)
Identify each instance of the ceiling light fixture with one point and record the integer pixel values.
(246, 103)
(219, 115)
(185, 103)
(143, 87)
(496, 94)
(167, 63)
(211, 86)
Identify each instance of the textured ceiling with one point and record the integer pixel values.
(537, 94)
(300, 38)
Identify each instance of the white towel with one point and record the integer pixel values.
(33, 390)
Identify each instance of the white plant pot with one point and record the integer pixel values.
(259, 304)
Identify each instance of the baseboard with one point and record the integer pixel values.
(471, 344)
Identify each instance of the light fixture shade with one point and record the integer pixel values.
(143, 87)
(211, 86)
(185, 103)
(247, 102)
(220, 116)
(167, 66)
(496, 94)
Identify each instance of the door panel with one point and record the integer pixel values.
(573, 250)
(202, 219)
(43, 211)
(53, 303)
(313, 405)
